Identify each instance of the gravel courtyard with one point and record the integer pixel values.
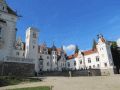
(75, 83)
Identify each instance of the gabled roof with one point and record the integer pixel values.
(72, 56)
(88, 52)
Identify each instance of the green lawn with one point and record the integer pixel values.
(34, 88)
(5, 81)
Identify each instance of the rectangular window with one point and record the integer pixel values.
(93, 66)
(47, 57)
(33, 47)
(80, 61)
(17, 53)
(105, 64)
(68, 64)
(47, 63)
(34, 35)
(90, 67)
(89, 60)
(97, 59)
(74, 63)
(98, 65)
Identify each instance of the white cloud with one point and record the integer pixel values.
(70, 47)
(118, 42)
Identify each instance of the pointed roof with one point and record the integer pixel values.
(101, 38)
(8, 9)
(53, 47)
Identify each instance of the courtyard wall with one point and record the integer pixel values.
(16, 69)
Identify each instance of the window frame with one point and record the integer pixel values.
(89, 60)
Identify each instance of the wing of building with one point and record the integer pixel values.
(99, 57)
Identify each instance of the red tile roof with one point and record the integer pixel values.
(88, 52)
(72, 56)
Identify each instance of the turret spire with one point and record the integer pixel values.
(101, 38)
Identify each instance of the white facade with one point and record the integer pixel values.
(99, 57)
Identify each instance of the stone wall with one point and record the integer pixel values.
(95, 72)
(107, 72)
(92, 72)
(17, 69)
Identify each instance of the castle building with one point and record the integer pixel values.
(99, 57)
(30, 56)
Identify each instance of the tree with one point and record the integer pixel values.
(94, 45)
(115, 54)
(76, 49)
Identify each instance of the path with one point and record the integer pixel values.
(75, 83)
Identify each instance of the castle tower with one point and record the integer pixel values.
(31, 50)
(8, 19)
(54, 58)
(106, 60)
(63, 58)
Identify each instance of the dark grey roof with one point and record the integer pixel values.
(10, 11)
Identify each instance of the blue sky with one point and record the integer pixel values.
(69, 21)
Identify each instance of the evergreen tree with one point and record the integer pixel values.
(76, 49)
(115, 54)
(94, 44)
